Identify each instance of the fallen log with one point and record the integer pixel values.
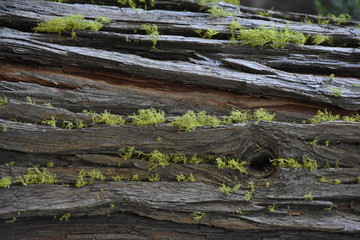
(65, 174)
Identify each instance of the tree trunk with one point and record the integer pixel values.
(114, 69)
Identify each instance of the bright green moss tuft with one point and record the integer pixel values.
(182, 178)
(154, 178)
(286, 163)
(36, 176)
(191, 120)
(198, 215)
(3, 101)
(156, 159)
(153, 32)
(206, 33)
(318, 39)
(309, 163)
(88, 177)
(5, 182)
(233, 163)
(265, 37)
(225, 189)
(217, 11)
(148, 116)
(60, 25)
(126, 153)
(308, 196)
(263, 115)
(138, 3)
(237, 117)
(106, 118)
(50, 122)
(323, 117)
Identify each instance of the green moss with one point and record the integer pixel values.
(60, 25)
(65, 217)
(249, 194)
(11, 220)
(265, 14)
(106, 118)
(272, 207)
(135, 178)
(318, 39)
(154, 178)
(206, 33)
(225, 189)
(182, 178)
(315, 141)
(88, 177)
(9, 164)
(336, 92)
(327, 116)
(309, 163)
(267, 184)
(237, 116)
(148, 116)
(191, 120)
(217, 11)
(77, 124)
(36, 176)
(60, 1)
(233, 163)
(5, 182)
(322, 117)
(4, 128)
(3, 101)
(117, 178)
(138, 3)
(126, 153)
(153, 32)
(286, 163)
(198, 215)
(156, 159)
(308, 196)
(50, 122)
(29, 100)
(263, 115)
(265, 37)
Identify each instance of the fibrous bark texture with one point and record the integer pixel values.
(54, 77)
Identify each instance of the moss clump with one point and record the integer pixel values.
(3, 101)
(126, 153)
(78, 123)
(249, 194)
(263, 115)
(233, 163)
(225, 189)
(156, 159)
(182, 178)
(337, 20)
(198, 215)
(265, 37)
(148, 116)
(191, 120)
(318, 39)
(217, 11)
(237, 116)
(88, 177)
(326, 116)
(60, 25)
(308, 196)
(106, 118)
(5, 182)
(36, 176)
(153, 32)
(206, 33)
(50, 122)
(286, 163)
(154, 178)
(310, 163)
(138, 3)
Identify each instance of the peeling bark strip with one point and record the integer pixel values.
(46, 76)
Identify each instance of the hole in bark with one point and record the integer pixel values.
(260, 165)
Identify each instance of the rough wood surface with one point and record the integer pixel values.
(114, 70)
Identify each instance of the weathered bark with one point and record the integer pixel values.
(108, 70)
